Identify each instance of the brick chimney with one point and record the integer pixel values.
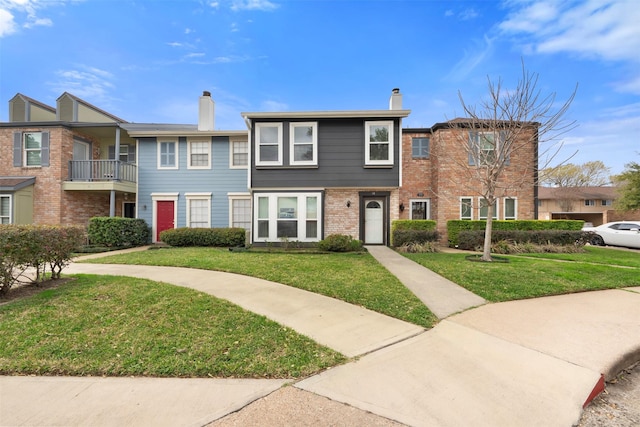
(395, 102)
(205, 112)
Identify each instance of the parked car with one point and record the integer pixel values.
(617, 233)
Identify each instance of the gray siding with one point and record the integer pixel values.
(341, 160)
(219, 180)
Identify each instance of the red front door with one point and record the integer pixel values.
(164, 216)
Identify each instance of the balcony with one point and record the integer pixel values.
(101, 175)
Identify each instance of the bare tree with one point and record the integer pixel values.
(567, 178)
(510, 126)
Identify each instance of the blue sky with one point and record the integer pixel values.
(149, 61)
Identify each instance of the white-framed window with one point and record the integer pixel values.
(420, 208)
(589, 202)
(484, 147)
(167, 154)
(268, 144)
(5, 209)
(198, 210)
(420, 148)
(466, 208)
(287, 216)
(484, 209)
(239, 155)
(32, 148)
(303, 143)
(240, 210)
(379, 143)
(606, 202)
(199, 154)
(510, 208)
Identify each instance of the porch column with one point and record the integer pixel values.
(116, 174)
(112, 203)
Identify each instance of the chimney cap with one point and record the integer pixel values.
(206, 93)
(395, 90)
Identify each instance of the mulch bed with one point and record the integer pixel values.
(28, 289)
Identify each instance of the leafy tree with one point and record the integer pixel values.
(629, 187)
(508, 124)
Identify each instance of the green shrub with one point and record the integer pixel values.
(418, 248)
(472, 240)
(218, 237)
(413, 224)
(413, 231)
(118, 232)
(340, 243)
(454, 227)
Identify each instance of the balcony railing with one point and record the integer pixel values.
(101, 170)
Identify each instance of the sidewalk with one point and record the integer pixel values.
(520, 363)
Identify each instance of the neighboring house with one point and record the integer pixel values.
(435, 183)
(64, 165)
(314, 174)
(590, 204)
(192, 175)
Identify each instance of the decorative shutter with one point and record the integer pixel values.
(506, 153)
(17, 149)
(44, 149)
(473, 147)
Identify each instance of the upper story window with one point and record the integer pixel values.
(303, 149)
(127, 153)
(484, 147)
(607, 202)
(33, 148)
(268, 144)
(239, 154)
(420, 148)
(167, 155)
(199, 155)
(5, 209)
(379, 143)
(589, 202)
(30, 149)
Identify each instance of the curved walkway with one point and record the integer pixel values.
(520, 363)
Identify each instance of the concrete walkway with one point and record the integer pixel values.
(522, 363)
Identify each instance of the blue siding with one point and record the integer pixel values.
(219, 180)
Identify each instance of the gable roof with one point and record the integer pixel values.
(582, 193)
(89, 106)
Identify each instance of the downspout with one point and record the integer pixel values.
(112, 196)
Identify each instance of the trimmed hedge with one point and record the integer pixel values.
(472, 240)
(340, 243)
(454, 227)
(405, 231)
(118, 232)
(24, 246)
(219, 237)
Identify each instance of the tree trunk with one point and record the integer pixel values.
(486, 253)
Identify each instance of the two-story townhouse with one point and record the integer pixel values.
(313, 174)
(590, 204)
(437, 183)
(64, 165)
(192, 175)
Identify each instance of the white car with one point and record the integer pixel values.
(618, 233)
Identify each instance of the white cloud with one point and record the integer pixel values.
(473, 56)
(271, 105)
(7, 23)
(263, 5)
(90, 83)
(24, 13)
(468, 14)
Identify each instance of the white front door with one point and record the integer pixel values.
(373, 222)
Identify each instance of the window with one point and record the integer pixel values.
(379, 143)
(589, 202)
(607, 202)
(5, 209)
(199, 155)
(484, 209)
(303, 139)
(240, 215)
(198, 210)
(269, 144)
(420, 148)
(239, 154)
(167, 155)
(466, 208)
(33, 149)
(484, 147)
(510, 208)
(290, 216)
(127, 153)
(421, 209)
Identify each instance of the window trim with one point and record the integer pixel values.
(367, 141)
(10, 216)
(292, 144)
(208, 145)
(428, 208)
(177, 155)
(302, 219)
(589, 202)
(190, 197)
(232, 152)
(606, 202)
(496, 210)
(428, 155)
(258, 128)
(470, 199)
(25, 150)
(515, 209)
(239, 196)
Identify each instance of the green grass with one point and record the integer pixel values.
(356, 278)
(119, 326)
(537, 275)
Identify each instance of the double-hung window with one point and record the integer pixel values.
(466, 208)
(199, 155)
(303, 148)
(484, 148)
(5, 209)
(420, 148)
(268, 144)
(588, 202)
(198, 210)
(33, 148)
(239, 154)
(379, 143)
(167, 155)
(606, 202)
(484, 209)
(510, 208)
(240, 214)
